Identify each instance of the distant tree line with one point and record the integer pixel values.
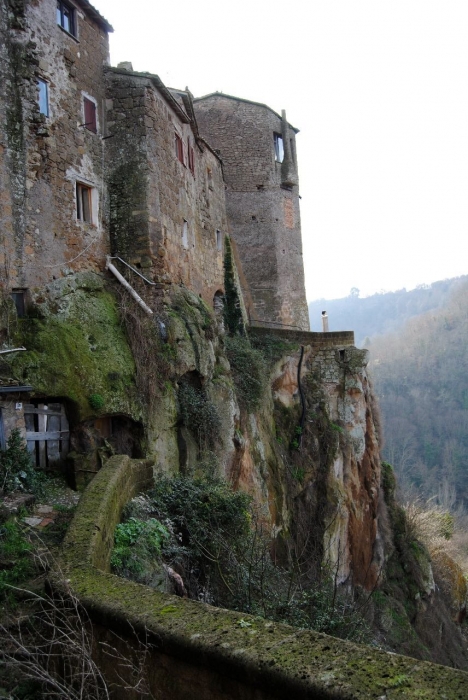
(381, 313)
(421, 378)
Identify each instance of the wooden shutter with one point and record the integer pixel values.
(90, 115)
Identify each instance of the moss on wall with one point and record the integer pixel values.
(76, 348)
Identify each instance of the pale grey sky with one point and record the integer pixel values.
(379, 91)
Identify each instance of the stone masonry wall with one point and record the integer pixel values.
(264, 216)
(46, 155)
(152, 193)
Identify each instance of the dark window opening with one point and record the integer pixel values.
(179, 149)
(342, 355)
(83, 203)
(66, 17)
(43, 98)
(18, 296)
(90, 121)
(279, 147)
(219, 240)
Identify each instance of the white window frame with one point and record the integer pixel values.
(42, 82)
(93, 203)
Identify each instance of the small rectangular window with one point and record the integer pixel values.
(83, 203)
(43, 97)
(18, 296)
(191, 157)
(66, 17)
(90, 121)
(179, 148)
(279, 148)
(219, 240)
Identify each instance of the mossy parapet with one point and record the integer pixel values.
(204, 652)
(76, 348)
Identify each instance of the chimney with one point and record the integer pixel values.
(324, 322)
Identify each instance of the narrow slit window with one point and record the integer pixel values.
(209, 175)
(219, 240)
(43, 97)
(90, 121)
(83, 203)
(279, 148)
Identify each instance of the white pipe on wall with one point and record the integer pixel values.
(129, 288)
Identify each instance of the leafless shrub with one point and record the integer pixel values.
(51, 642)
(52, 645)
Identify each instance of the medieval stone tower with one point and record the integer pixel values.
(258, 151)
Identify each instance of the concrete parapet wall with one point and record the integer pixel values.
(330, 339)
(199, 652)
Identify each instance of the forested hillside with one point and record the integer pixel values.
(421, 378)
(381, 313)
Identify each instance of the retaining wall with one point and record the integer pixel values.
(197, 652)
(330, 340)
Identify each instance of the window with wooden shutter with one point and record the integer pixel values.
(90, 115)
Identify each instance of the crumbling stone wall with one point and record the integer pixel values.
(153, 195)
(46, 155)
(262, 203)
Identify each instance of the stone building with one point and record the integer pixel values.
(99, 162)
(166, 189)
(258, 150)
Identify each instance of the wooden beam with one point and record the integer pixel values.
(48, 435)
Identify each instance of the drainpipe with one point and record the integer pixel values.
(129, 288)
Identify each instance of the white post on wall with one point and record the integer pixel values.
(324, 322)
(123, 282)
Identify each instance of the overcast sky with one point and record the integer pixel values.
(379, 91)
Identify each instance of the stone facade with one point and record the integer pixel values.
(45, 155)
(97, 160)
(165, 216)
(258, 150)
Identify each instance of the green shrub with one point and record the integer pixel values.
(137, 547)
(16, 469)
(249, 371)
(198, 415)
(15, 557)
(272, 347)
(222, 549)
(96, 401)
